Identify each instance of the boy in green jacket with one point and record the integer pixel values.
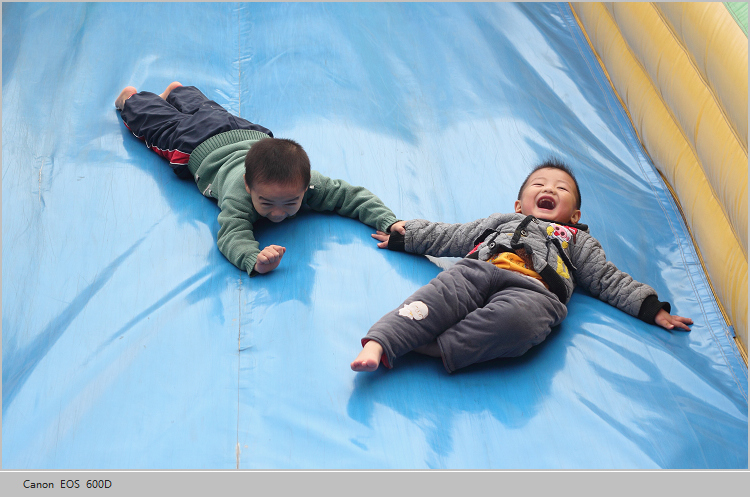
(243, 167)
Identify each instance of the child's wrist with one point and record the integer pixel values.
(650, 308)
(253, 272)
(397, 242)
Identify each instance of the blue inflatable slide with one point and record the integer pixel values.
(130, 342)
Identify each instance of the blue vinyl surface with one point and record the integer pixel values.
(129, 341)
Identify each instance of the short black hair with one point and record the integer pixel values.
(279, 161)
(553, 163)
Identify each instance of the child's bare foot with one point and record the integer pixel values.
(124, 95)
(369, 358)
(172, 86)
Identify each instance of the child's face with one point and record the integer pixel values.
(549, 194)
(275, 201)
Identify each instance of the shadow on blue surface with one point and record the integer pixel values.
(130, 342)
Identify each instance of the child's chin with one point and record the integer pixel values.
(275, 219)
(545, 214)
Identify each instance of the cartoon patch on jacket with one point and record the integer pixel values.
(563, 233)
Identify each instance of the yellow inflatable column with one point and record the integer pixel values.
(717, 54)
(681, 71)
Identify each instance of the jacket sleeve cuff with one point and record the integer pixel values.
(390, 225)
(386, 223)
(651, 307)
(250, 267)
(397, 242)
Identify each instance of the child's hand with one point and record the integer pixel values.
(399, 227)
(269, 258)
(384, 237)
(666, 320)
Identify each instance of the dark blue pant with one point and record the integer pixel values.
(174, 127)
(475, 311)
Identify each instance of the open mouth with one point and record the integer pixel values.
(546, 203)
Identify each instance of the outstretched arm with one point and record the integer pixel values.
(603, 280)
(439, 239)
(356, 202)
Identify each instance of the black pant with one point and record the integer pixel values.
(174, 127)
(475, 311)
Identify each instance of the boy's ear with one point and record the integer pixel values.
(247, 188)
(517, 206)
(575, 217)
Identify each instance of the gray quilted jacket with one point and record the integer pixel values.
(563, 255)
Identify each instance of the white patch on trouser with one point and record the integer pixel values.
(416, 310)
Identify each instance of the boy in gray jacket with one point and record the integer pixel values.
(476, 311)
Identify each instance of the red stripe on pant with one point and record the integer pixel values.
(173, 156)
